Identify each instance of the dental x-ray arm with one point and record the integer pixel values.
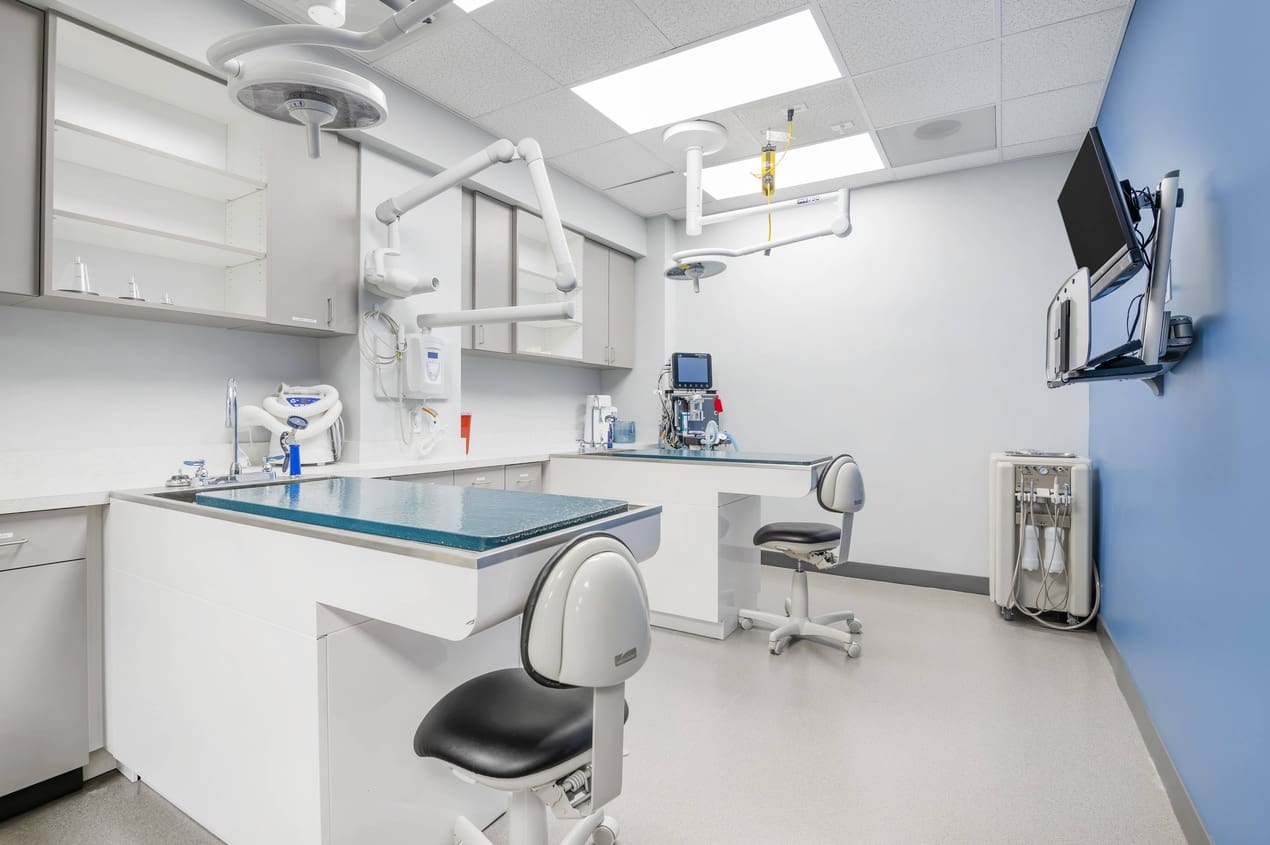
(839, 226)
(392, 282)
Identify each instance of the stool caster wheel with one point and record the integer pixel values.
(1007, 613)
(853, 649)
(787, 606)
(606, 833)
(745, 622)
(855, 626)
(778, 646)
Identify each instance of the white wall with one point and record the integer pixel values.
(525, 406)
(916, 345)
(92, 402)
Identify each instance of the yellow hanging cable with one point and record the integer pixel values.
(769, 171)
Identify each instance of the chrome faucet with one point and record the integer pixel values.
(231, 421)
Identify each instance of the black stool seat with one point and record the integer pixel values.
(807, 533)
(506, 725)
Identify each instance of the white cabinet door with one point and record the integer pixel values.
(494, 240)
(595, 321)
(44, 667)
(21, 143)
(621, 310)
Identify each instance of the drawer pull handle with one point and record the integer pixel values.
(20, 542)
(311, 321)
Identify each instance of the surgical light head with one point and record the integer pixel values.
(315, 96)
(695, 271)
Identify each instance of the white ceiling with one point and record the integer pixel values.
(1024, 77)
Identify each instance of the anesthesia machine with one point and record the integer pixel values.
(691, 407)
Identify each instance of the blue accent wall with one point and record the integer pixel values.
(1185, 479)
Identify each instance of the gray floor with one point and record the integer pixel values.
(953, 726)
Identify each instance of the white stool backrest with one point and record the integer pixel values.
(586, 620)
(841, 487)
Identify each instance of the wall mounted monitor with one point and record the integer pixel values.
(1092, 205)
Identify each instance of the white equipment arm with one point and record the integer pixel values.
(500, 152)
(223, 53)
(840, 226)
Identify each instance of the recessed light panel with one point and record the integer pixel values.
(471, 5)
(780, 56)
(803, 165)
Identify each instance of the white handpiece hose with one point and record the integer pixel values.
(389, 210)
(694, 220)
(566, 275)
(510, 314)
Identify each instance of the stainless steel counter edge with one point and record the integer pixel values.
(423, 551)
(690, 462)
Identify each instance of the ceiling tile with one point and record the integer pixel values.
(614, 163)
(1060, 55)
(574, 40)
(1018, 15)
(560, 120)
(659, 195)
(462, 66)
(937, 85)
(1050, 115)
(947, 165)
(878, 33)
(828, 105)
(967, 132)
(684, 23)
(741, 142)
(1066, 143)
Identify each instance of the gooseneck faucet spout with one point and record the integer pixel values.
(231, 421)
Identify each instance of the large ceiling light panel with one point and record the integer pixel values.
(779, 56)
(471, 5)
(802, 165)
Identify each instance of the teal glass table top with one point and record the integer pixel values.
(468, 518)
(720, 457)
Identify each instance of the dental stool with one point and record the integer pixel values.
(841, 490)
(551, 733)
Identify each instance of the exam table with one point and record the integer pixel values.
(269, 649)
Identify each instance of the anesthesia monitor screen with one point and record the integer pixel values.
(692, 371)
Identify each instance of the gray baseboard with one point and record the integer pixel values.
(1183, 807)
(895, 574)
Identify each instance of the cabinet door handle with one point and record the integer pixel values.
(480, 335)
(19, 542)
(330, 311)
(306, 320)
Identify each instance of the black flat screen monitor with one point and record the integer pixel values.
(1097, 220)
(691, 371)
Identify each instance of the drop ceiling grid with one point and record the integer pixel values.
(1043, 64)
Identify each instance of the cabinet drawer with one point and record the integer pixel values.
(31, 539)
(525, 477)
(446, 478)
(490, 477)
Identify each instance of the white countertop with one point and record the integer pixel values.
(91, 491)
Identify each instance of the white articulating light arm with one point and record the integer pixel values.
(500, 152)
(223, 53)
(840, 226)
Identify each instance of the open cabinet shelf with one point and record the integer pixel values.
(100, 151)
(83, 228)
